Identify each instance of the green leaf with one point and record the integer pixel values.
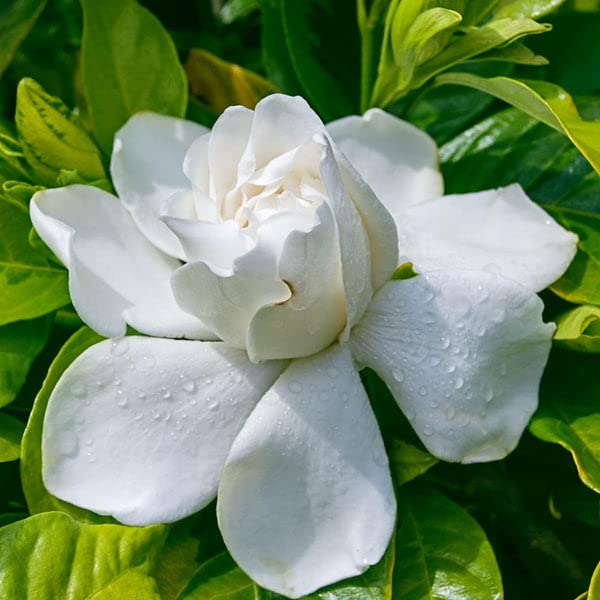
(29, 285)
(219, 579)
(303, 53)
(129, 64)
(579, 329)
(53, 556)
(51, 137)
(11, 432)
(16, 19)
(38, 498)
(569, 414)
(222, 84)
(581, 282)
(525, 8)
(441, 552)
(594, 591)
(545, 102)
(133, 584)
(408, 462)
(20, 343)
(237, 9)
(516, 53)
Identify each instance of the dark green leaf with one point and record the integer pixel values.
(129, 64)
(16, 19)
(408, 462)
(11, 432)
(20, 343)
(569, 414)
(38, 498)
(441, 552)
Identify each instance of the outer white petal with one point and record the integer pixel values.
(463, 354)
(116, 276)
(147, 169)
(139, 428)
(398, 160)
(305, 498)
(501, 231)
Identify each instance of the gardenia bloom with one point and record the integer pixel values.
(279, 237)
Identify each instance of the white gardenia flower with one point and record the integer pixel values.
(279, 236)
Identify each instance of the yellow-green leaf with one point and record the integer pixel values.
(579, 329)
(51, 138)
(408, 462)
(221, 84)
(545, 102)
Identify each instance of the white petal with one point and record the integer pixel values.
(147, 169)
(501, 231)
(116, 276)
(355, 250)
(315, 314)
(378, 222)
(139, 428)
(463, 354)
(398, 160)
(305, 498)
(281, 123)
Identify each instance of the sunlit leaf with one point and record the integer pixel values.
(579, 329)
(129, 64)
(545, 102)
(221, 84)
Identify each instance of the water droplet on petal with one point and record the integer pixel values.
(189, 386)
(459, 382)
(398, 375)
(78, 389)
(120, 346)
(333, 372)
(122, 399)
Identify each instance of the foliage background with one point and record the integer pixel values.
(526, 527)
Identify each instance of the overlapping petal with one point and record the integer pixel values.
(116, 276)
(463, 354)
(147, 169)
(500, 231)
(396, 159)
(306, 497)
(139, 428)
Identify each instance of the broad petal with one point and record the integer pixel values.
(139, 428)
(147, 169)
(116, 276)
(501, 231)
(463, 354)
(396, 159)
(305, 497)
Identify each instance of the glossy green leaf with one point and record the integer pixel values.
(53, 556)
(237, 9)
(569, 413)
(29, 285)
(441, 551)
(579, 329)
(20, 343)
(301, 53)
(545, 102)
(16, 20)
(129, 64)
(594, 591)
(11, 432)
(38, 498)
(408, 462)
(219, 579)
(51, 138)
(516, 53)
(534, 9)
(581, 282)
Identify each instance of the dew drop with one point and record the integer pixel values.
(450, 368)
(427, 430)
(117, 381)
(423, 391)
(237, 378)
(166, 394)
(119, 347)
(459, 382)
(213, 406)
(122, 399)
(445, 342)
(435, 360)
(398, 375)
(142, 395)
(489, 395)
(333, 372)
(189, 386)
(78, 390)
(156, 415)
